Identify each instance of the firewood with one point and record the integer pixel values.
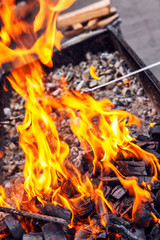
(14, 227)
(53, 231)
(94, 10)
(107, 21)
(77, 29)
(92, 24)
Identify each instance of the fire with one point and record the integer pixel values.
(93, 74)
(98, 126)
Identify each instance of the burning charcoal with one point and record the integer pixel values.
(130, 168)
(33, 236)
(102, 211)
(67, 189)
(125, 233)
(82, 207)
(3, 226)
(120, 221)
(118, 192)
(157, 201)
(101, 236)
(155, 132)
(155, 233)
(142, 217)
(70, 233)
(84, 233)
(139, 232)
(53, 231)
(14, 227)
(57, 211)
(111, 181)
(143, 138)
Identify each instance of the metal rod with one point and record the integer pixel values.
(123, 77)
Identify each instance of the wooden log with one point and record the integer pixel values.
(14, 227)
(92, 24)
(34, 216)
(53, 231)
(77, 29)
(94, 10)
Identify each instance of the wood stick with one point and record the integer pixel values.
(94, 10)
(107, 21)
(34, 215)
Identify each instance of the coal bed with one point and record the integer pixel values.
(128, 95)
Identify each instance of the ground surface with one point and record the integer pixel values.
(140, 26)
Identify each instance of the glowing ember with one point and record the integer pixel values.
(126, 81)
(92, 71)
(97, 124)
(152, 124)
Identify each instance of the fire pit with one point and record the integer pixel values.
(85, 177)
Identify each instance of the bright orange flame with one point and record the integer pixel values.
(127, 81)
(96, 123)
(152, 124)
(1, 154)
(93, 74)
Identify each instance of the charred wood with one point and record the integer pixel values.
(3, 226)
(14, 227)
(83, 207)
(157, 201)
(155, 233)
(120, 221)
(111, 181)
(130, 168)
(53, 231)
(34, 216)
(155, 132)
(125, 233)
(139, 232)
(57, 211)
(33, 236)
(118, 192)
(84, 233)
(142, 217)
(101, 236)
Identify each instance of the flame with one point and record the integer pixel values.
(92, 71)
(126, 81)
(1, 154)
(152, 124)
(98, 126)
